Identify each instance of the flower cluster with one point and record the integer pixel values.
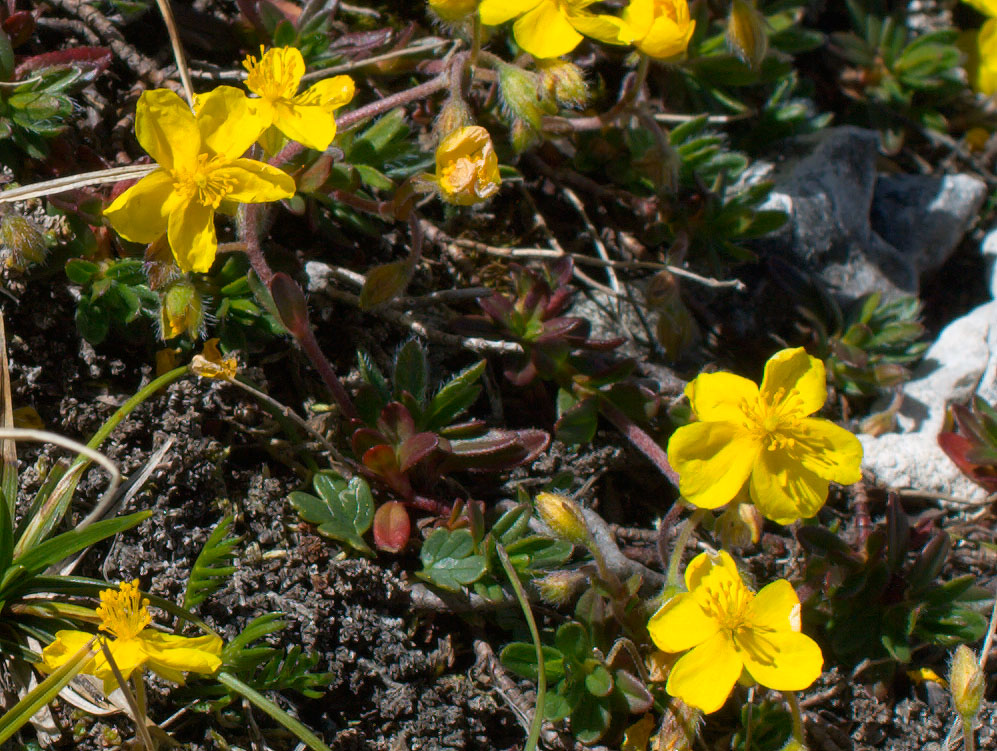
(550, 28)
(124, 614)
(199, 153)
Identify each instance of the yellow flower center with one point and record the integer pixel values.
(204, 182)
(459, 174)
(123, 612)
(773, 422)
(727, 601)
(272, 76)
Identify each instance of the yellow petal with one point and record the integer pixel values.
(681, 624)
(784, 490)
(720, 397)
(987, 7)
(495, 12)
(67, 643)
(229, 122)
(704, 677)
(165, 127)
(191, 233)
(128, 656)
(639, 15)
(331, 92)
(311, 125)
(794, 378)
(545, 31)
(781, 660)
(775, 608)
(608, 29)
(713, 460)
(666, 38)
(829, 451)
(705, 564)
(256, 182)
(169, 653)
(140, 213)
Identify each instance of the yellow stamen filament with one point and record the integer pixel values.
(124, 612)
(270, 76)
(204, 182)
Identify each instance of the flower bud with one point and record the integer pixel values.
(740, 525)
(453, 10)
(181, 310)
(564, 81)
(521, 92)
(522, 136)
(558, 588)
(23, 242)
(678, 728)
(454, 115)
(467, 167)
(966, 683)
(564, 517)
(746, 34)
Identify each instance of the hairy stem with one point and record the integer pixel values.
(688, 527)
(641, 440)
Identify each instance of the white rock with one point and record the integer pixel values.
(962, 361)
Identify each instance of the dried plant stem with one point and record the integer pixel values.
(178, 54)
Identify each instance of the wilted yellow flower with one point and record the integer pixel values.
(764, 437)
(199, 168)
(728, 629)
(551, 28)
(660, 28)
(453, 10)
(211, 364)
(466, 167)
(306, 117)
(125, 615)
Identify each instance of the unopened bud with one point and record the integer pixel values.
(746, 33)
(181, 310)
(522, 136)
(23, 242)
(521, 92)
(740, 525)
(564, 517)
(564, 81)
(453, 10)
(290, 302)
(966, 683)
(558, 588)
(454, 115)
(678, 727)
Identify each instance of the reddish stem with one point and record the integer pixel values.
(641, 440)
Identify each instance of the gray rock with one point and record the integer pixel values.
(961, 362)
(860, 232)
(989, 249)
(925, 217)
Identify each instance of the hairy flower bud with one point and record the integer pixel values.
(453, 10)
(564, 81)
(740, 525)
(521, 96)
(564, 517)
(454, 115)
(966, 683)
(746, 35)
(181, 310)
(558, 588)
(678, 728)
(23, 242)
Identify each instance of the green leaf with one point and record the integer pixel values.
(411, 372)
(520, 657)
(577, 424)
(453, 398)
(92, 321)
(384, 283)
(599, 682)
(343, 512)
(212, 566)
(590, 720)
(80, 271)
(573, 640)
(448, 560)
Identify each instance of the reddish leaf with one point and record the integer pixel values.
(392, 527)
(415, 449)
(365, 439)
(290, 301)
(95, 59)
(396, 422)
(19, 26)
(957, 447)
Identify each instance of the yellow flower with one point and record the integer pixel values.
(306, 117)
(125, 614)
(551, 28)
(728, 629)
(984, 74)
(199, 169)
(765, 437)
(986, 7)
(466, 166)
(453, 10)
(211, 364)
(660, 28)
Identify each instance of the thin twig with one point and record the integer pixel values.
(600, 247)
(178, 54)
(72, 182)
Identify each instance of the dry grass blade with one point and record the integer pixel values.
(72, 182)
(178, 54)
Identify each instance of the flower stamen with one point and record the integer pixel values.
(124, 612)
